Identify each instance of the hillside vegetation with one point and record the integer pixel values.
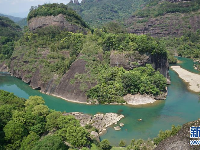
(30, 124)
(53, 51)
(98, 12)
(22, 23)
(165, 18)
(176, 22)
(56, 9)
(15, 19)
(158, 8)
(9, 32)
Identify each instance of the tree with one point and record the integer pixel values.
(34, 101)
(29, 141)
(105, 145)
(66, 121)
(122, 143)
(5, 114)
(14, 131)
(77, 136)
(50, 142)
(41, 110)
(52, 120)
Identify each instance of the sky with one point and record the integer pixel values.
(20, 8)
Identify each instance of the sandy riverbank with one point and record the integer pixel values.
(138, 99)
(133, 100)
(73, 101)
(191, 78)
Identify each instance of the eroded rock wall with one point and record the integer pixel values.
(58, 21)
(172, 24)
(65, 88)
(130, 60)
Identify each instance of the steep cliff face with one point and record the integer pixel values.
(130, 60)
(72, 90)
(3, 67)
(58, 21)
(65, 88)
(168, 24)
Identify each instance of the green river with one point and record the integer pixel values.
(180, 107)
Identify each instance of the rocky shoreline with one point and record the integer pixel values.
(99, 121)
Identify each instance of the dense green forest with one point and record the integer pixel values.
(24, 122)
(30, 124)
(157, 8)
(96, 13)
(185, 46)
(56, 9)
(9, 32)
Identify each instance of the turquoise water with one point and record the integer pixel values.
(180, 107)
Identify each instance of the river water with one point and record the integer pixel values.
(180, 107)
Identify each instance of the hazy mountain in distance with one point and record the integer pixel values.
(22, 22)
(15, 19)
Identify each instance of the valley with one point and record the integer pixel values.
(100, 75)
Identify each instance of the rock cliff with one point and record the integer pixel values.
(58, 21)
(130, 60)
(3, 67)
(181, 141)
(99, 121)
(170, 24)
(64, 89)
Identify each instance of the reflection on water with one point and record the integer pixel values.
(180, 107)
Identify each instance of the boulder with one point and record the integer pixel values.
(117, 128)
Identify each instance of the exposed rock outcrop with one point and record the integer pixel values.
(138, 99)
(117, 128)
(130, 60)
(70, 91)
(171, 24)
(95, 135)
(65, 89)
(3, 67)
(58, 21)
(99, 121)
(175, 1)
(181, 141)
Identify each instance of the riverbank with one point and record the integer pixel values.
(138, 99)
(191, 78)
(132, 100)
(157, 116)
(99, 121)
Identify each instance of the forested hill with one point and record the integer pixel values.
(8, 27)
(165, 18)
(98, 12)
(54, 10)
(9, 31)
(15, 19)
